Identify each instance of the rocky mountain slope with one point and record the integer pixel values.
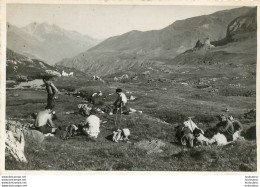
(136, 49)
(47, 42)
(237, 48)
(22, 68)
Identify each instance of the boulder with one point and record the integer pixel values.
(204, 44)
(14, 146)
(33, 136)
(18, 128)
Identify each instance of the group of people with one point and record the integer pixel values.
(91, 126)
(188, 132)
(226, 131)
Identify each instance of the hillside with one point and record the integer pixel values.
(135, 49)
(47, 42)
(237, 49)
(19, 66)
(22, 68)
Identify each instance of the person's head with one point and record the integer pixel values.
(49, 108)
(54, 116)
(230, 118)
(93, 111)
(222, 117)
(118, 90)
(45, 79)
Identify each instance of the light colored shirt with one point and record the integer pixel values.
(43, 118)
(123, 98)
(220, 139)
(192, 126)
(93, 124)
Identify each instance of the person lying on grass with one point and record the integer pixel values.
(43, 121)
(91, 126)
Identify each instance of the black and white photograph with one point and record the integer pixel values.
(131, 87)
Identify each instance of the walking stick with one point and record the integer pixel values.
(116, 118)
(120, 114)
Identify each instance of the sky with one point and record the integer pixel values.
(103, 21)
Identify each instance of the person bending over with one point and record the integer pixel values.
(43, 121)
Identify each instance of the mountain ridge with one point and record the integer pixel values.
(47, 42)
(132, 47)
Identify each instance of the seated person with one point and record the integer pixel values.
(236, 124)
(225, 125)
(91, 126)
(228, 126)
(43, 121)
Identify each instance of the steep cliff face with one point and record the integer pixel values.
(243, 26)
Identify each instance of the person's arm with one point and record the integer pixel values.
(229, 124)
(54, 88)
(115, 103)
(241, 128)
(51, 122)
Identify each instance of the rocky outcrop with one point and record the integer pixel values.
(203, 44)
(14, 146)
(17, 135)
(14, 143)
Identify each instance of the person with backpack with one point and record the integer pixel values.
(51, 91)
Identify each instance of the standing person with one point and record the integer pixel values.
(91, 126)
(43, 121)
(51, 91)
(121, 99)
(120, 104)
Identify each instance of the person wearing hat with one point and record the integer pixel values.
(43, 121)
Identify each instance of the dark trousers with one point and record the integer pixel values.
(228, 136)
(44, 129)
(50, 100)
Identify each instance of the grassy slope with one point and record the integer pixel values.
(162, 97)
(172, 105)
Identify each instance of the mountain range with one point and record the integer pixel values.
(136, 49)
(49, 43)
